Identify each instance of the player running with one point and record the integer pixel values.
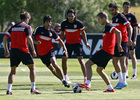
(43, 39)
(132, 19)
(122, 24)
(71, 28)
(19, 34)
(101, 57)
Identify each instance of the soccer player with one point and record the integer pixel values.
(19, 34)
(122, 24)
(132, 19)
(43, 39)
(71, 28)
(101, 57)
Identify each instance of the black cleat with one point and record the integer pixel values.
(66, 84)
(8, 93)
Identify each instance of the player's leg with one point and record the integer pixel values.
(32, 78)
(134, 63)
(59, 72)
(64, 62)
(123, 66)
(118, 70)
(105, 78)
(11, 79)
(127, 67)
(83, 67)
(52, 69)
(87, 85)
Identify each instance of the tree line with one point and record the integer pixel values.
(86, 11)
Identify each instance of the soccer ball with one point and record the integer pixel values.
(114, 75)
(76, 88)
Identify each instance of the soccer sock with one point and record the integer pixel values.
(127, 73)
(109, 86)
(120, 77)
(88, 82)
(10, 87)
(134, 71)
(33, 85)
(66, 77)
(124, 78)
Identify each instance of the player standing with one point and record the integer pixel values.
(122, 24)
(132, 19)
(101, 57)
(43, 39)
(71, 28)
(19, 34)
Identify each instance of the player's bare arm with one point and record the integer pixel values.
(129, 34)
(119, 38)
(65, 49)
(30, 41)
(6, 51)
(62, 38)
(135, 36)
(85, 39)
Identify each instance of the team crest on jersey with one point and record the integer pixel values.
(50, 34)
(75, 26)
(116, 19)
(129, 18)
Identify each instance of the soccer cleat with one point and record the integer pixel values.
(8, 93)
(109, 90)
(134, 76)
(86, 86)
(35, 92)
(120, 85)
(66, 84)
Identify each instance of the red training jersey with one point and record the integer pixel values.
(121, 23)
(45, 37)
(72, 31)
(109, 39)
(18, 34)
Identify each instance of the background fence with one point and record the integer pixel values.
(94, 39)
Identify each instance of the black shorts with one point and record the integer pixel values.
(16, 56)
(46, 58)
(101, 58)
(77, 48)
(125, 50)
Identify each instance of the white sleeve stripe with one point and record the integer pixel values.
(126, 22)
(111, 29)
(35, 31)
(82, 28)
(8, 33)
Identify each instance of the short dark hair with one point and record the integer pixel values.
(70, 11)
(47, 18)
(126, 3)
(102, 15)
(24, 15)
(113, 5)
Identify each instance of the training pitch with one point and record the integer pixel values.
(52, 88)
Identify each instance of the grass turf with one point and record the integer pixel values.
(52, 88)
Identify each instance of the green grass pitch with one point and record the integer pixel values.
(52, 88)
